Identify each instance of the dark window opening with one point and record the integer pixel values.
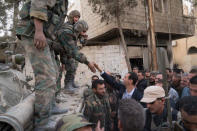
(192, 50)
(137, 62)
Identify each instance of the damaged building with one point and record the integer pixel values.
(104, 46)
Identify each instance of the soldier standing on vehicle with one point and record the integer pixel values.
(39, 22)
(67, 36)
(69, 63)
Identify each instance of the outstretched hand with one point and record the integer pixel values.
(92, 67)
(97, 67)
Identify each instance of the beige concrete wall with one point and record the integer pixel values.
(135, 19)
(180, 56)
(180, 50)
(135, 52)
(110, 58)
(74, 5)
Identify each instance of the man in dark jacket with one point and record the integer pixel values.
(188, 122)
(142, 82)
(126, 90)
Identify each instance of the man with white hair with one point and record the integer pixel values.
(156, 113)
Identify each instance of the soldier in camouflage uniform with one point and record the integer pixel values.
(97, 106)
(69, 63)
(74, 122)
(37, 28)
(67, 36)
(88, 92)
(114, 103)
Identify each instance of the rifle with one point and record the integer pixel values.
(165, 86)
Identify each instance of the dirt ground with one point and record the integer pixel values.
(72, 102)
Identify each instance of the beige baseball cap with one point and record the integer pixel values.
(151, 93)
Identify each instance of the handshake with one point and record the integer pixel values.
(93, 66)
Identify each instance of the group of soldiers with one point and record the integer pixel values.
(44, 35)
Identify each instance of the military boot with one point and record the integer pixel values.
(68, 88)
(56, 110)
(49, 126)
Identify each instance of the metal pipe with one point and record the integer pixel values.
(17, 117)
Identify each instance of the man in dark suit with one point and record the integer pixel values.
(142, 82)
(127, 89)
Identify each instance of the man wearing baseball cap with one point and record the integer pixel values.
(156, 113)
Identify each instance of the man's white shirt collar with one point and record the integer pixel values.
(127, 95)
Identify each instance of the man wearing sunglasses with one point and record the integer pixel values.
(156, 113)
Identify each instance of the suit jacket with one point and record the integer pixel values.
(141, 85)
(137, 95)
(114, 84)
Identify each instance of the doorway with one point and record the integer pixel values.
(137, 62)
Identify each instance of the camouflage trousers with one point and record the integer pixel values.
(44, 68)
(59, 76)
(71, 68)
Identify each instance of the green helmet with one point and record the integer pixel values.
(72, 122)
(72, 14)
(81, 26)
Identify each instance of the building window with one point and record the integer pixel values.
(192, 50)
(137, 62)
(160, 6)
(188, 8)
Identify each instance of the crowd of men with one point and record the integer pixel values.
(138, 103)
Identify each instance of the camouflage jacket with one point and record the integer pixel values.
(68, 40)
(79, 38)
(98, 110)
(113, 100)
(87, 92)
(51, 12)
(72, 122)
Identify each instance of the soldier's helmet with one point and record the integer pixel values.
(73, 14)
(72, 122)
(81, 26)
